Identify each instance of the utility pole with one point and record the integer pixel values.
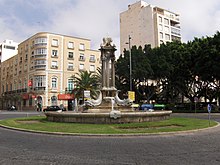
(130, 65)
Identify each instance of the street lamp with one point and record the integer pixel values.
(129, 45)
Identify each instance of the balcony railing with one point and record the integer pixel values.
(82, 58)
(40, 56)
(40, 67)
(40, 44)
(175, 31)
(54, 66)
(39, 88)
(91, 60)
(16, 91)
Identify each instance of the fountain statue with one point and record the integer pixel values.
(108, 92)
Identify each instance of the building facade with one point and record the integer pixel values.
(43, 70)
(147, 24)
(8, 48)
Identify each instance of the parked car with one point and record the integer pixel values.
(146, 107)
(54, 108)
(12, 108)
(151, 107)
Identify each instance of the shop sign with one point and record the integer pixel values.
(65, 96)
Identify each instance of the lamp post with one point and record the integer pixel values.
(129, 45)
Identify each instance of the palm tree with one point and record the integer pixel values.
(86, 81)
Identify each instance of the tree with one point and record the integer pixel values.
(141, 70)
(85, 81)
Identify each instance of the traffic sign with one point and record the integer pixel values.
(209, 108)
(131, 95)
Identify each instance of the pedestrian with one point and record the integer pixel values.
(39, 106)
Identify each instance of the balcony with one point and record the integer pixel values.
(54, 67)
(42, 44)
(53, 90)
(40, 64)
(82, 58)
(40, 67)
(175, 31)
(91, 60)
(24, 90)
(174, 24)
(70, 68)
(39, 56)
(39, 88)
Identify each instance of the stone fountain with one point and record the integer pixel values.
(108, 107)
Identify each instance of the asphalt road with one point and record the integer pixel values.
(195, 148)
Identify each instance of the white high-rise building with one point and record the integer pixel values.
(8, 49)
(147, 24)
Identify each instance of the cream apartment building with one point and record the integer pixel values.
(147, 24)
(42, 71)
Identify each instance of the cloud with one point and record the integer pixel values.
(89, 19)
(95, 19)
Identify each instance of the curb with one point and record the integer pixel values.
(110, 135)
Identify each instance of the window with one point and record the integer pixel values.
(54, 83)
(54, 42)
(70, 45)
(54, 64)
(41, 51)
(20, 60)
(81, 66)
(25, 84)
(81, 46)
(161, 35)
(70, 55)
(81, 57)
(15, 85)
(39, 81)
(19, 85)
(40, 62)
(40, 41)
(70, 84)
(53, 100)
(92, 58)
(26, 47)
(160, 19)
(167, 29)
(166, 21)
(54, 53)
(167, 36)
(70, 66)
(9, 47)
(161, 27)
(92, 68)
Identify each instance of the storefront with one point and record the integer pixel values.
(70, 100)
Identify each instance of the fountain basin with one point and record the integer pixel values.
(107, 118)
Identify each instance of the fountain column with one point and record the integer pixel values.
(108, 68)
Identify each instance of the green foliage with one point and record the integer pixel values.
(179, 69)
(86, 81)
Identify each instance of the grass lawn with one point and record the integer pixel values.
(39, 123)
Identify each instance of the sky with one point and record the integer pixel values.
(95, 19)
